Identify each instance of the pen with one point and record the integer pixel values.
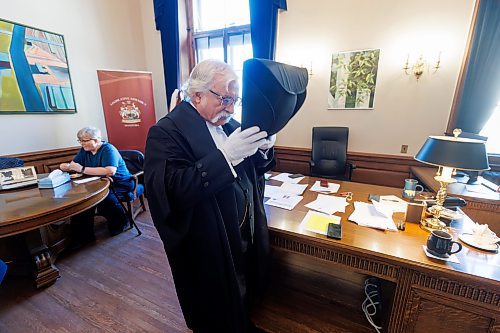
(389, 200)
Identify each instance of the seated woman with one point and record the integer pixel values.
(99, 158)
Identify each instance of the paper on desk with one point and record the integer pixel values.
(332, 187)
(296, 189)
(479, 188)
(366, 215)
(271, 191)
(328, 204)
(392, 201)
(85, 180)
(318, 222)
(285, 201)
(283, 177)
(452, 258)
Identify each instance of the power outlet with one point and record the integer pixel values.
(404, 149)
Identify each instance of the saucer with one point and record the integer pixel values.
(469, 240)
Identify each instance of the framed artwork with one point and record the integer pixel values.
(34, 71)
(353, 79)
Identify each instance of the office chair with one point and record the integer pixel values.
(134, 160)
(3, 270)
(10, 162)
(329, 153)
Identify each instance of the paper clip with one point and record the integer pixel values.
(347, 195)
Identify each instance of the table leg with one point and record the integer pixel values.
(45, 272)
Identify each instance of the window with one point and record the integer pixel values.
(491, 131)
(476, 106)
(222, 31)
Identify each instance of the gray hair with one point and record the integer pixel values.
(89, 133)
(204, 74)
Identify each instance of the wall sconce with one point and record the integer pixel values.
(418, 68)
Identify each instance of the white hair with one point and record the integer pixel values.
(204, 74)
(89, 132)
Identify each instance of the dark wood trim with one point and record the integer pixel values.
(378, 169)
(47, 160)
(190, 38)
(371, 168)
(461, 76)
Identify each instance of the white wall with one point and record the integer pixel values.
(405, 111)
(99, 34)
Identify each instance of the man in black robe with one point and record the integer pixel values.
(205, 186)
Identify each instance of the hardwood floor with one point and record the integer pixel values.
(117, 284)
(124, 284)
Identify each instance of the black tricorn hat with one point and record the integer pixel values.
(272, 94)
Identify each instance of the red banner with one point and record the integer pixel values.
(127, 101)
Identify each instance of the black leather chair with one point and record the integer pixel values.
(10, 162)
(134, 160)
(329, 153)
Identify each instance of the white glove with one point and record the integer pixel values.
(269, 143)
(241, 144)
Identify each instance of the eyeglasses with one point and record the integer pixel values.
(84, 140)
(227, 100)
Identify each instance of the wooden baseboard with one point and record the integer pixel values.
(379, 169)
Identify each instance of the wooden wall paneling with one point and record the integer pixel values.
(380, 169)
(47, 160)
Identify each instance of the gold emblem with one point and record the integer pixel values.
(130, 113)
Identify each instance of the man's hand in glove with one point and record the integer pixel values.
(241, 144)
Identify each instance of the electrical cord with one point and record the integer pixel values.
(372, 302)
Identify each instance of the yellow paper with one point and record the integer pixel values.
(318, 222)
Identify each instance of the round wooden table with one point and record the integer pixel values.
(26, 210)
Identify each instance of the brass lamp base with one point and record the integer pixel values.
(432, 223)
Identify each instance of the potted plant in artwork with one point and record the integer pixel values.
(353, 79)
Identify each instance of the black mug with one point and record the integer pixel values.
(439, 244)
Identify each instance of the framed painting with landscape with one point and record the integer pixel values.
(34, 71)
(353, 79)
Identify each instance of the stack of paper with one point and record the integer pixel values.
(318, 222)
(284, 177)
(328, 204)
(285, 201)
(332, 187)
(366, 215)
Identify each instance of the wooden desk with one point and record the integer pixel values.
(483, 208)
(26, 210)
(428, 295)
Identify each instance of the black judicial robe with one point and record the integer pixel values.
(193, 199)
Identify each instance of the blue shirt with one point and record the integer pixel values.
(107, 155)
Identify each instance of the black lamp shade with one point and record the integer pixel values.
(272, 94)
(458, 153)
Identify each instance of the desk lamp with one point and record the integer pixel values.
(450, 153)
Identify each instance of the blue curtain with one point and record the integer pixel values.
(263, 17)
(481, 90)
(167, 22)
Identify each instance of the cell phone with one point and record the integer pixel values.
(323, 183)
(334, 231)
(296, 175)
(373, 197)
